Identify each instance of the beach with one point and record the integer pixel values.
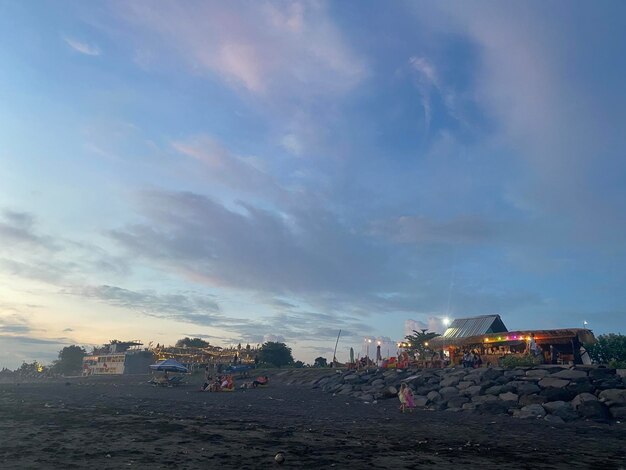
(123, 422)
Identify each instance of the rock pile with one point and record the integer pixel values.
(553, 393)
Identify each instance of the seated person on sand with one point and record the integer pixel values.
(259, 381)
(228, 383)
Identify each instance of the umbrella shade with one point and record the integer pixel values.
(169, 365)
(351, 355)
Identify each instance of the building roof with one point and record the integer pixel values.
(466, 327)
(560, 336)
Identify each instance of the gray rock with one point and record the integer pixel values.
(561, 409)
(601, 373)
(391, 391)
(420, 400)
(367, 397)
(554, 419)
(378, 382)
(532, 411)
(433, 397)
(351, 378)
(471, 391)
(618, 412)
(570, 374)
(527, 389)
(469, 407)
(464, 384)
(554, 383)
(526, 400)
(578, 399)
(536, 373)
(448, 392)
(514, 373)
(450, 381)
(457, 402)
(495, 390)
(593, 410)
(621, 373)
(613, 396)
(479, 399)
(492, 407)
(509, 397)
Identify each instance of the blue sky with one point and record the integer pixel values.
(249, 171)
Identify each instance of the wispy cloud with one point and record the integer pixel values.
(82, 47)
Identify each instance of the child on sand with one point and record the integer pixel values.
(406, 398)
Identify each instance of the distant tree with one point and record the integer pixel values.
(70, 359)
(609, 349)
(298, 365)
(320, 362)
(192, 343)
(417, 342)
(275, 353)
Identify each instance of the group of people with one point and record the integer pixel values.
(471, 360)
(221, 383)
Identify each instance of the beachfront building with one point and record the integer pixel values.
(117, 358)
(199, 358)
(488, 336)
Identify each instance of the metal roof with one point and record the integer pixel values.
(541, 336)
(465, 327)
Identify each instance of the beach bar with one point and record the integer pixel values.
(488, 336)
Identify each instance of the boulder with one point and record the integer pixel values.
(420, 400)
(526, 400)
(448, 392)
(618, 412)
(601, 373)
(495, 390)
(527, 389)
(472, 391)
(558, 394)
(450, 381)
(570, 374)
(479, 399)
(561, 409)
(578, 399)
(514, 373)
(553, 419)
(593, 410)
(492, 407)
(391, 392)
(378, 382)
(530, 412)
(426, 389)
(509, 397)
(581, 387)
(469, 407)
(537, 373)
(351, 378)
(613, 396)
(621, 373)
(367, 397)
(457, 402)
(553, 383)
(464, 384)
(433, 397)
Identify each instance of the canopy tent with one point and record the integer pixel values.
(169, 365)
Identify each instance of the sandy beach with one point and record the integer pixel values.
(124, 422)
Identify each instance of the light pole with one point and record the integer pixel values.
(446, 322)
(367, 355)
(585, 324)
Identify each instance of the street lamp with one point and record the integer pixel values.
(446, 322)
(585, 324)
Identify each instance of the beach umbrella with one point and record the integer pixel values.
(169, 365)
(378, 355)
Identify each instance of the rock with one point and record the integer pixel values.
(469, 407)
(618, 412)
(391, 391)
(378, 382)
(479, 399)
(536, 373)
(578, 399)
(433, 397)
(457, 402)
(509, 397)
(558, 394)
(570, 374)
(448, 392)
(554, 419)
(426, 389)
(464, 385)
(611, 381)
(561, 409)
(450, 381)
(495, 390)
(593, 410)
(553, 383)
(531, 411)
(351, 378)
(492, 407)
(613, 396)
(601, 373)
(621, 373)
(420, 400)
(472, 390)
(489, 373)
(527, 389)
(367, 397)
(514, 373)
(581, 387)
(526, 400)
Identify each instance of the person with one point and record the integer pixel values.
(260, 381)
(477, 361)
(467, 360)
(532, 345)
(405, 395)
(554, 355)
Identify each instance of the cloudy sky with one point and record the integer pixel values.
(247, 171)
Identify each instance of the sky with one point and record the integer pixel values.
(278, 171)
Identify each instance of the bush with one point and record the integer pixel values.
(518, 361)
(608, 349)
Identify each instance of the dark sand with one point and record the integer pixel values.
(123, 422)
